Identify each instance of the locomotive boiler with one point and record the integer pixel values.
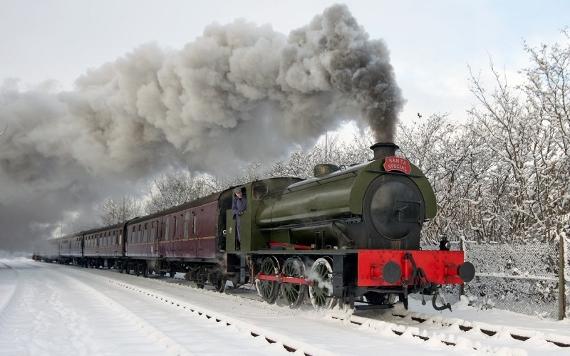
(364, 206)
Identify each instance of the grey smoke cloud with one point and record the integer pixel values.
(238, 93)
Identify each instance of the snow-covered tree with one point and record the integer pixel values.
(173, 189)
(115, 211)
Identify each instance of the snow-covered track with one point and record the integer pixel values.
(247, 317)
(561, 341)
(452, 332)
(446, 337)
(449, 332)
(451, 340)
(255, 332)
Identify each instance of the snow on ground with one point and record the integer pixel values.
(49, 309)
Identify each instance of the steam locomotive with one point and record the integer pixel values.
(344, 235)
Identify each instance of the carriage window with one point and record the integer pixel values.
(153, 230)
(174, 232)
(194, 227)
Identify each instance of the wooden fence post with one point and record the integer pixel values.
(462, 248)
(561, 278)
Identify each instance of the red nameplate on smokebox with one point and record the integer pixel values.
(397, 164)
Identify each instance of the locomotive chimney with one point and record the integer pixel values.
(383, 150)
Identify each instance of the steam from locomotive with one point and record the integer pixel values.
(200, 106)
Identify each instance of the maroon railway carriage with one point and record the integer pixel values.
(70, 248)
(187, 238)
(186, 232)
(101, 246)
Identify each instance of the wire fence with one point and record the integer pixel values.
(522, 278)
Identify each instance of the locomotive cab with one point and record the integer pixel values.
(256, 193)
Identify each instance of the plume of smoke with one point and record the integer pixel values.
(238, 93)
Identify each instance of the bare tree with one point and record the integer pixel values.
(547, 88)
(173, 189)
(115, 211)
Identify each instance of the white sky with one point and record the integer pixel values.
(432, 42)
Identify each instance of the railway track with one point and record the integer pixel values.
(486, 339)
(427, 327)
(454, 333)
(451, 340)
(561, 341)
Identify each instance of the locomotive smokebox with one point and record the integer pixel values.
(383, 150)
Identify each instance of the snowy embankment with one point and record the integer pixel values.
(53, 309)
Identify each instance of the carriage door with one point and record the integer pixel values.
(194, 233)
(229, 232)
(154, 237)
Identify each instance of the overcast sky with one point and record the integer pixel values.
(432, 42)
(51, 170)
